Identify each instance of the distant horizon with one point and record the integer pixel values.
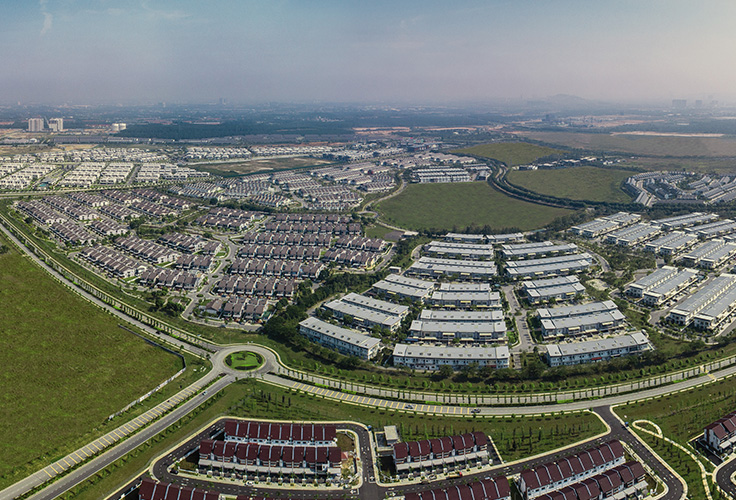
(185, 51)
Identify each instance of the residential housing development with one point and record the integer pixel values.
(709, 307)
(591, 351)
(548, 267)
(431, 357)
(567, 321)
(368, 312)
(430, 267)
(661, 285)
(586, 470)
(486, 489)
(559, 289)
(343, 340)
(720, 436)
(441, 454)
(404, 287)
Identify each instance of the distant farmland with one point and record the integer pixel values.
(511, 153)
(576, 183)
(448, 206)
(666, 146)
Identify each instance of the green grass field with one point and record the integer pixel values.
(244, 360)
(65, 365)
(456, 206)
(514, 436)
(654, 145)
(577, 183)
(511, 153)
(684, 415)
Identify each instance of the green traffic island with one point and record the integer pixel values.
(244, 360)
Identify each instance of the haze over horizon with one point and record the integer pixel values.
(95, 51)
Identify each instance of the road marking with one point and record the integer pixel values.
(67, 463)
(54, 469)
(47, 472)
(104, 440)
(80, 458)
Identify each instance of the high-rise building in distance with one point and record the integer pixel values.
(35, 124)
(56, 124)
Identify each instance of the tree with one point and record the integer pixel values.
(445, 371)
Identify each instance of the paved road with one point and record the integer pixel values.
(370, 489)
(272, 365)
(723, 475)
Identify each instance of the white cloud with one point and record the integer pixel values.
(48, 19)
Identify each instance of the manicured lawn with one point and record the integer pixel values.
(514, 437)
(456, 206)
(684, 415)
(511, 153)
(65, 365)
(244, 360)
(577, 183)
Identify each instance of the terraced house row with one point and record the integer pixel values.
(441, 454)
(554, 476)
(496, 488)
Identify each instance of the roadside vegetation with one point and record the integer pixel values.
(514, 436)
(66, 366)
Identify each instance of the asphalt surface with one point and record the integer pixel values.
(132, 437)
(723, 475)
(370, 489)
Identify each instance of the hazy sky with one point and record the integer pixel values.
(365, 50)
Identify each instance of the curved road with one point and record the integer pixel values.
(132, 437)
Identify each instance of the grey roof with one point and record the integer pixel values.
(452, 327)
(363, 313)
(450, 352)
(581, 321)
(719, 306)
(466, 296)
(521, 252)
(555, 291)
(465, 287)
(684, 220)
(550, 282)
(673, 240)
(527, 246)
(577, 310)
(518, 264)
(454, 266)
(403, 285)
(375, 304)
(656, 277)
(343, 334)
(593, 346)
(672, 283)
(460, 315)
(696, 302)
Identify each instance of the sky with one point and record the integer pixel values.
(411, 51)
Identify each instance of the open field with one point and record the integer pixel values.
(576, 183)
(514, 436)
(66, 365)
(456, 206)
(511, 153)
(257, 165)
(667, 146)
(684, 415)
(701, 165)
